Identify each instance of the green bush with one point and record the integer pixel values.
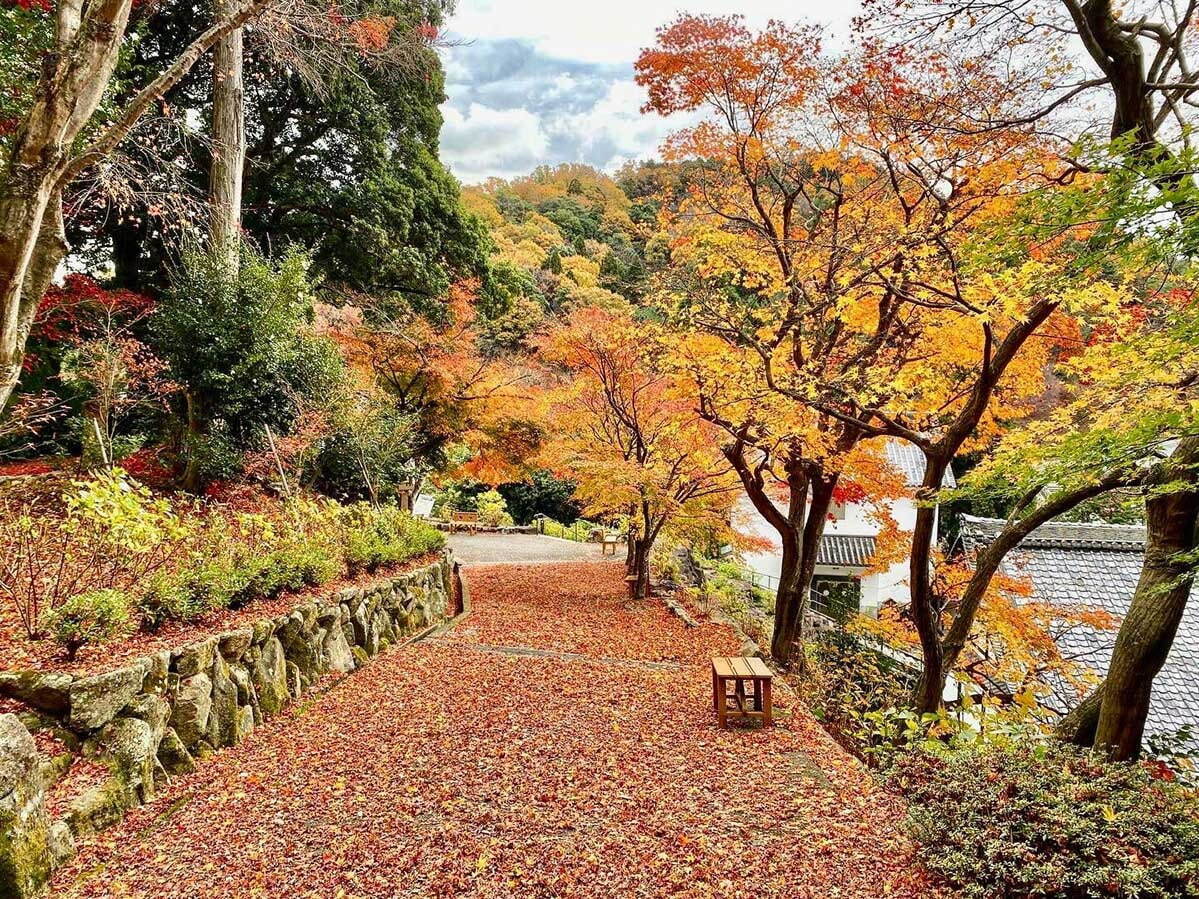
(375, 537)
(492, 509)
(237, 342)
(167, 598)
(315, 565)
(540, 494)
(215, 583)
(1041, 819)
(269, 575)
(92, 617)
(369, 452)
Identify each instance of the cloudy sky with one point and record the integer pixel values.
(549, 81)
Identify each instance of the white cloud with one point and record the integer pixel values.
(549, 81)
(614, 31)
(482, 141)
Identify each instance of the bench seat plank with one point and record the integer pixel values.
(759, 668)
(723, 667)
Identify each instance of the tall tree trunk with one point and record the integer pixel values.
(22, 220)
(229, 139)
(800, 530)
(800, 551)
(925, 605)
(641, 545)
(48, 253)
(1149, 628)
(87, 40)
(788, 600)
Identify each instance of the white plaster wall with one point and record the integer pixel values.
(891, 584)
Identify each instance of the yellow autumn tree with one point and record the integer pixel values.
(620, 425)
(816, 270)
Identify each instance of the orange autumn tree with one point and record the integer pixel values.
(1006, 298)
(619, 424)
(1014, 649)
(434, 372)
(803, 254)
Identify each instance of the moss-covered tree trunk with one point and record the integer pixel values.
(1149, 628)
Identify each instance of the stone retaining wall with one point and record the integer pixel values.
(161, 714)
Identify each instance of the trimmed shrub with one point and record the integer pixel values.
(91, 617)
(166, 598)
(1041, 819)
(383, 536)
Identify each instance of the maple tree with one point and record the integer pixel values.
(1136, 57)
(817, 252)
(1013, 650)
(622, 427)
(433, 372)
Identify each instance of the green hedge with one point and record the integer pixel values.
(1046, 820)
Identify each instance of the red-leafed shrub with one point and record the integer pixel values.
(81, 309)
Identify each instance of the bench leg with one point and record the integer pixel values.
(767, 709)
(722, 706)
(715, 692)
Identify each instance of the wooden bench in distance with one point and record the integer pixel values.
(741, 703)
(468, 521)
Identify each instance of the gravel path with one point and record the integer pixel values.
(448, 769)
(507, 549)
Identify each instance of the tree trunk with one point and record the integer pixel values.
(798, 584)
(788, 601)
(925, 605)
(800, 531)
(1078, 727)
(228, 138)
(638, 567)
(48, 253)
(28, 244)
(192, 475)
(128, 238)
(1149, 628)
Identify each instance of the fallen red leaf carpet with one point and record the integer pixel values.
(558, 742)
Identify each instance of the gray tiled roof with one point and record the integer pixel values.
(848, 551)
(1097, 566)
(907, 459)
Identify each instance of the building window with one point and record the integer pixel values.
(836, 597)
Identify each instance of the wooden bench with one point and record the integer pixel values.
(750, 696)
(610, 540)
(467, 521)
